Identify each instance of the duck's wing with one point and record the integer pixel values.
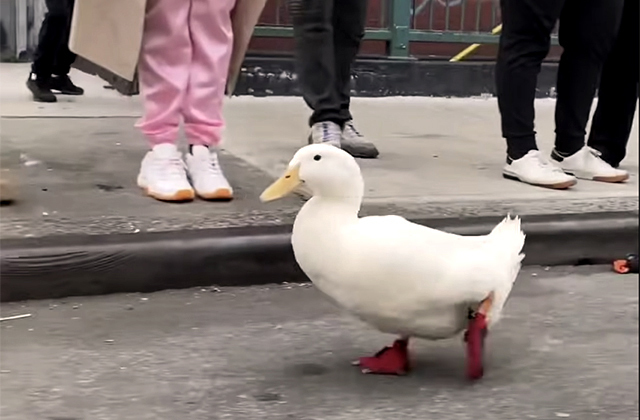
(448, 268)
(443, 267)
(400, 226)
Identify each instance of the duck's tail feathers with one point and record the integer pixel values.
(507, 240)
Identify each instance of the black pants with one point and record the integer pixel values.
(327, 35)
(618, 93)
(588, 29)
(52, 55)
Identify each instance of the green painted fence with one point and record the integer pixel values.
(402, 22)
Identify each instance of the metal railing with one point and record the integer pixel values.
(397, 23)
(401, 22)
(20, 21)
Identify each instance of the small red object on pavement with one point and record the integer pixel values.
(627, 265)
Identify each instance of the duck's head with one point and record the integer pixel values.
(326, 171)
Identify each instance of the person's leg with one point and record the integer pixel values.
(349, 19)
(212, 42)
(53, 29)
(524, 43)
(315, 57)
(163, 69)
(64, 58)
(587, 32)
(618, 92)
(588, 29)
(315, 66)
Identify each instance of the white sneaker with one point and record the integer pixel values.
(163, 176)
(206, 175)
(326, 132)
(534, 169)
(586, 163)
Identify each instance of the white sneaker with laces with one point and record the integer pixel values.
(587, 164)
(326, 132)
(163, 176)
(534, 169)
(206, 174)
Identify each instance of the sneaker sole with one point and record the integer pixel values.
(366, 152)
(222, 194)
(180, 196)
(45, 101)
(36, 98)
(372, 155)
(608, 179)
(612, 179)
(557, 186)
(67, 93)
(364, 155)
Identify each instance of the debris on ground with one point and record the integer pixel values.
(627, 265)
(11, 318)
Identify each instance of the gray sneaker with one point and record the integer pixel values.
(326, 132)
(355, 144)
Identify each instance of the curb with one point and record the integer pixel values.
(57, 267)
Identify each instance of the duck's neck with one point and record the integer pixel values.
(334, 207)
(332, 211)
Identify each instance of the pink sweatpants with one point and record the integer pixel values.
(186, 48)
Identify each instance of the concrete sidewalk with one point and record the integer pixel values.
(567, 347)
(77, 161)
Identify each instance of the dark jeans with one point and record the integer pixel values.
(52, 55)
(618, 93)
(588, 29)
(327, 35)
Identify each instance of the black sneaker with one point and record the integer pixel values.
(40, 89)
(65, 86)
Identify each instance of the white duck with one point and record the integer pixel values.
(398, 276)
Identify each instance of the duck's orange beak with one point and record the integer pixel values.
(283, 186)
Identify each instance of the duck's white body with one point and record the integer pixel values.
(398, 276)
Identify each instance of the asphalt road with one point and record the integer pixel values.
(567, 348)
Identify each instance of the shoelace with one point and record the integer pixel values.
(596, 153)
(169, 168)
(328, 135)
(352, 128)
(211, 164)
(599, 161)
(545, 163)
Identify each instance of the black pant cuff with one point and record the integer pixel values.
(337, 120)
(518, 147)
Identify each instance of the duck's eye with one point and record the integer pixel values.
(317, 157)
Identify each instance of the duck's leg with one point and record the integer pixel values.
(392, 360)
(475, 336)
